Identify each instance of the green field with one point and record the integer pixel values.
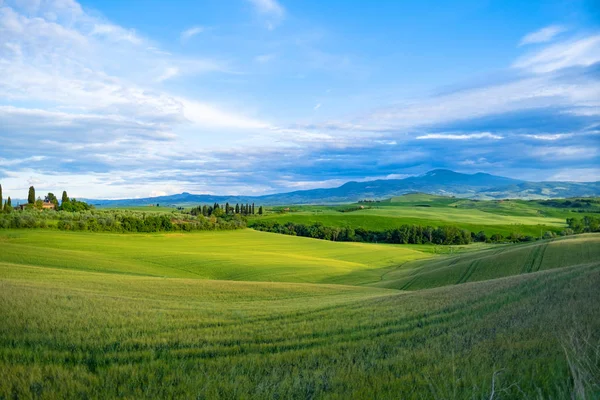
(503, 217)
(245, 314)
(243, 255)
(495, 263)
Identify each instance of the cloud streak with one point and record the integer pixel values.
(543, 35)
(191, 32)
(451, 136)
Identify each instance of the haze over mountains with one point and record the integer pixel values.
(440, 182)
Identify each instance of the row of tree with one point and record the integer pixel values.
(218, 211)
(118, 221)
(405, 234)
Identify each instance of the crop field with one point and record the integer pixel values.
(503, 217)
(255, 315)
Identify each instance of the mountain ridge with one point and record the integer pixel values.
(443, 182)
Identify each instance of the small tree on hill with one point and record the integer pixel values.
(31, 195)
(64, 196)
(8, 205)
(260, 210)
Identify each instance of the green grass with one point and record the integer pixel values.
(244, 255)
(255, 315)
(78, 334)
(493, 263)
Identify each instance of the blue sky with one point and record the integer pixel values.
(112, 99)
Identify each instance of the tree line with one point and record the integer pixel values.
(405, 234)
(218, 211)
(118, 221)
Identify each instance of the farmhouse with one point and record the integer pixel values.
(46, 205)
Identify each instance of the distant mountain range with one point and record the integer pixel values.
(439, 182)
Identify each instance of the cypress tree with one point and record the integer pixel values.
(226, 208)
(1, 196)
(65, 198)
(260, 210)
(252, 208)
(8, 205)
(31, 195)
(237, 208)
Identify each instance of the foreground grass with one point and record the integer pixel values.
(78, 334)
(244, 255)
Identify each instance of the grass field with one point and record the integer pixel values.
(495, 263)
(90, 315)
(503, 217)
(243, 255)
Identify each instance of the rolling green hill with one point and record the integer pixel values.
(243, 255)
(80, 334)
(495, 263)
(231, 315)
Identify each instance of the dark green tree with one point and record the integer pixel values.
(31, 195)
(260, 210)
(237, 208)
(64, 196)
(252, 208)
(51, 198)
(1, 196)
(8, 205)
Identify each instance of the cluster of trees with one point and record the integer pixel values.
(66, 204)
(118, 221)
(353, 208)
(72, 205)
(585, 224)
(218, 211)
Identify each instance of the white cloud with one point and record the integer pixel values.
(169, 73)
(565, 152)
(208, 116)
(465, 136)
(317, 106)
(116, 33)
(271, 7)
(193, 31)
(83, 67)
(271, 10)
(550, 137)
(543, 35)
(264, 58)
(576, 53)
(577, 175)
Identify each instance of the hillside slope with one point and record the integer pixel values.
(80, 334)
(495, 263)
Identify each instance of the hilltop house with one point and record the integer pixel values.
(46, 205)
